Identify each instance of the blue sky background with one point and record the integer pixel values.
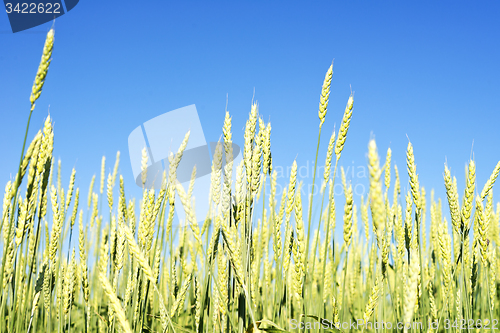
(424, 70)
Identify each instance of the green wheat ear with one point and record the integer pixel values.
(412, 173)
(344, 127)
(42, 68)
(325, 94)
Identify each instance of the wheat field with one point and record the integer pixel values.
(111, 263)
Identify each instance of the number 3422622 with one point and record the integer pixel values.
(34, 8)
(463, 324)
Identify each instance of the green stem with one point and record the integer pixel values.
(343, 283)
(423, 301)
(328, 226)
(488, 293)
(464, 299)
(311, 197)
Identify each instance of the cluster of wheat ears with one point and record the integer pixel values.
(127, 269)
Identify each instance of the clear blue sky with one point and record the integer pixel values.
(426, 70)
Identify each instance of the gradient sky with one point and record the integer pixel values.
(424, 70)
